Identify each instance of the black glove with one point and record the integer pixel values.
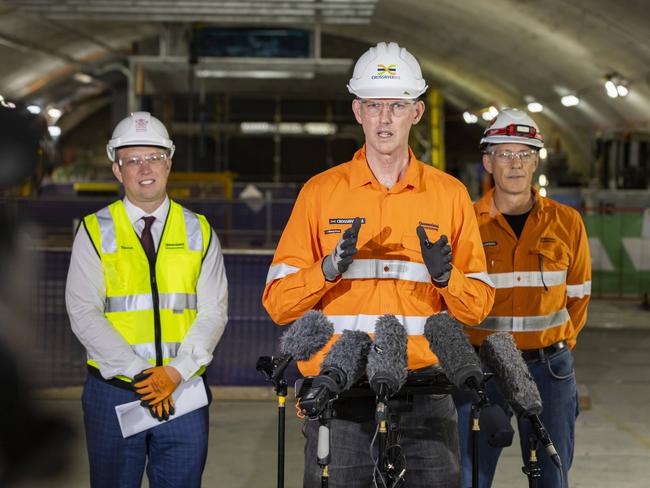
(339, 261)
(437, 256)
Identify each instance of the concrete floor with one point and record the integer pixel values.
(613, 435)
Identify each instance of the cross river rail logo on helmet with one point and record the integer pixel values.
(141, 124)
(386, 72)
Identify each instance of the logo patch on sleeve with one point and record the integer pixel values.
(489, 243)
(332, 231)
(547, 239)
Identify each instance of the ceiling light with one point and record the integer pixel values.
(470, 118)
(542, 192)
(570, 100)
(543, 180)
(622, 90)
(54, 113)
(55, 131)
(535, 107)
(34, 109)
(319, 128)
(254, 74)
(83, 78)
(611, 89)
(543, 153)
(490, 113)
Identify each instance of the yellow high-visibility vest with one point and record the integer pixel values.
(151, 308)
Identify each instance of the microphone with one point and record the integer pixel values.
(458, 359)
(343, 366)
(305, 337)
(387, 359)
(501, 355)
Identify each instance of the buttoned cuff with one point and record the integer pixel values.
(185, 365)
(454, 284)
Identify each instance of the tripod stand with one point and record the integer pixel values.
(273, 370)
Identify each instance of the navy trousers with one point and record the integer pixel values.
(174, 452)
(555, 378)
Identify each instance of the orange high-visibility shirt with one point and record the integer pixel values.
(543, 279)
(388, 275)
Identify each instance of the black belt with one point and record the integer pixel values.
(531, 355)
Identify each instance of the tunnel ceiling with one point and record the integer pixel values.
(478, 53)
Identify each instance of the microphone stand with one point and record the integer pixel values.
(273, 370)
(476, 426)
(533, 471)
(323, 450)
(387, 432)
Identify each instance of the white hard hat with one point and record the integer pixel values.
(513, 126)
(139, 129)
(387, 71)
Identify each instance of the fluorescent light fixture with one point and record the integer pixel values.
(611, 89)
(256, 127)
(570, 100)
(535, 107)
(542, 192)
(470, 118)
(542, 180)
(290, 128)
(543, 153)
(34, 109)
(54, 130)
(622, 90)
(319, 128)
(254, 73)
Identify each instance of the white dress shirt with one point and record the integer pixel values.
(85, 296)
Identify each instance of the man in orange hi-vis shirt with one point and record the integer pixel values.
(538, 258)
(387, 266)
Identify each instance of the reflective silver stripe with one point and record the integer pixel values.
(578, 291)
(281, 270)
(387, 269)
(484, 277)
(107, 230)
(148, 350)
(525, 324)
(414, 324)
(528, 278)
(193, 230)
(129, 303)
(144, 301)
(177, 301)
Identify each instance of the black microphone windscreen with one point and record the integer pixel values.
(500, 354)
(458, 359)
(387, 359)
(306, 336)
(349, 354)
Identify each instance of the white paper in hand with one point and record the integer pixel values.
(134, 418)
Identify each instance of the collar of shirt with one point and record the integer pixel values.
(361, 174)
(136, 213)
(486, 204)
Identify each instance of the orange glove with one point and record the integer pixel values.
(153, 385)
(164, 409)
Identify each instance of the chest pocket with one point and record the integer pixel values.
(494, 259)
(551, 258)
